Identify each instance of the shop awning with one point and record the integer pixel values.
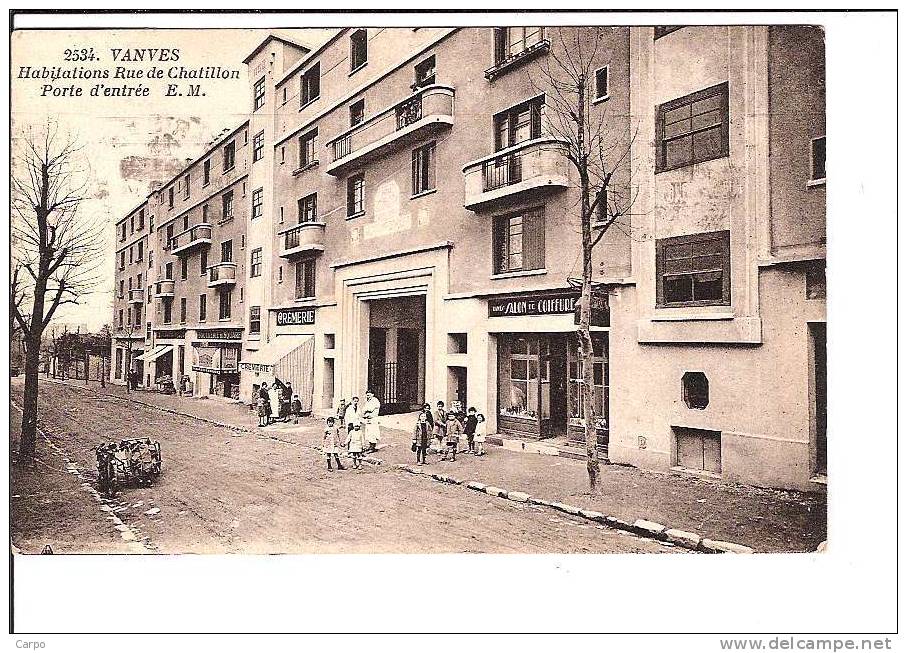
(290, 359)
(273, 352)
(155, 353)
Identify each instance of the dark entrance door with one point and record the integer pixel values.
(820, 362)
(408, 366)
(377, 360)
(556, 369)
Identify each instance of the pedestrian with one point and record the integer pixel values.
(426, 408)
(341, 409)
(351, 416)
(470, 430)
(330, 444)
(355, 441)
(454, 433)
(296, 409)
(274, 401)
(480, 435)
(421, 437)
(440, 428)
(264, 405)
(370, 411)
(286, 401)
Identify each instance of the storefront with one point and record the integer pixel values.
(540, 373)
(215, 357)
(286, 359)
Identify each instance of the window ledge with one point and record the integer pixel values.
(355, 215)
(688, 316)
(517, 59)
(601, 99)
(423, 193)
(309, 103)
(304, 300)
(307, 166)
(815, 182)
(357, 68)
(519, 273)
(230, 169)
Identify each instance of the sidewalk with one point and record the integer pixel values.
(766, 520)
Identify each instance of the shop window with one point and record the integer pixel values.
(523, 378)
(695, 390)
(600, 386)
(519, 242)
(693, 270)
(310, 85)
(698, 449)
(456, 343)
(358, 49)
(692, 129)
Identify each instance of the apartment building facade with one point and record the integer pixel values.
(410, 226)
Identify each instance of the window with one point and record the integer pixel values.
(255, 319)
(305, 278)
(664, 30)
(131, 254)
(170, 235)
(258, 146)
(205, 214)
(284, 95)
(358, 49)
(257, 199)
(120, 322)
(182, 310)
(424, 168)
(279, 274)
(151, 223)
(203, 262)
(185, 222)
(123, 260)
(229, 156)
(123, 232)
(168, 310)
(308, 208)
(168, 271)
(186, 185)
(255, 263)
(307, 148)
(184, 268)
(425, 72)
(510, 42)
(138, 280)
(599, 381)
(310, 85)
(258, 93)
(355, 195)
(693, 270)
(601, 83)
(170, 197)
(519, 242)
(206, 172)
(132, 224)
(520, 123)
(692, 129)
(150, 259)
(202, 308)
(141, 253)
(227, 205)
(130, 283)
(817, 158)
(122, 288)
(357, 112)
(225, 310)
(283, 154)
(695, 387)
(142, 219)
(226, 251)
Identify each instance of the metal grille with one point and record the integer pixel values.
(502, 171)
(409, 112)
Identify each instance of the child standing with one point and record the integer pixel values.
(480, 435)
(355, 442)
(296, 409)
(421, 437)
(330, 444)
(440, 429)
(454, 433)
(470, 430)
(263, 405)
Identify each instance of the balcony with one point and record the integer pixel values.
(193, 237)
(221, 274)
(136, 296)
(164, 288)
(428, 110)
(532, 167)
(301, 238)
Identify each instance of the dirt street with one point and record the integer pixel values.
(224, 491)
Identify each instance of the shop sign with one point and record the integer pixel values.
(542, 303)
(219, 334)
(295, 316)
(256, 367)
(215, 359)
(175, 334)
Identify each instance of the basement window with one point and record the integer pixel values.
(695, 390)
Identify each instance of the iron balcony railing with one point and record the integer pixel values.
(502, 171)
(199, 234)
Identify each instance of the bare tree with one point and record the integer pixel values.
(597, 144)
(56, 249)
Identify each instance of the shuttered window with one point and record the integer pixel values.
(519, 241)
(692, 129)
(694, 270)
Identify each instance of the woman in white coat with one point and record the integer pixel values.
(370, 411)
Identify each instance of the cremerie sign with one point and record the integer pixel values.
(295, 316)
(546, 303)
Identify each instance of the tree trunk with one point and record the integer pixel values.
(29, 434)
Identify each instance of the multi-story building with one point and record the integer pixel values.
(404, 219)
(130, 302)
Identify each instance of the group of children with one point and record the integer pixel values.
(449, 429)
(289, 405)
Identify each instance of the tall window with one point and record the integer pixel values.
(182, 310)
(184, 268)
(123, 288)
(185, 222)
(305, 278)
(168, 310)
(170, 197)
(307, 148)
(227, 205)
(310, 85)
(141, 252)
(602, 83)
(142, 219)
(817, 158)
(424, 168)
(206, 172)
(599, 381)
(357, 112)
(258, 93)
(358, 49)
(693, 270)
(202, 308)
(186, 186)
(308, 208)
(255, 263)
(120, 323)
(203, 262)
(520, 123)
(258, 146)
(229, 156)
(692, 129)
(519, 242)
(425, 72)
(257, 200)
(355, 194)
(225, 311)
(255, 319)
(170, 228)
(226, 251)
(512, 41)
(168, 271)
(123, 260)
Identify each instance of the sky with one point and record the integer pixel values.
(131, 142)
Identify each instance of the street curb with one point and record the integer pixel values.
(641, 527)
